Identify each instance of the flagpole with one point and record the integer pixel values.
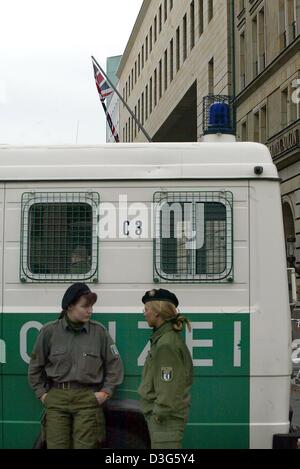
(114, 134)
(124, 102)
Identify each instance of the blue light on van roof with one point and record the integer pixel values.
(219, 117)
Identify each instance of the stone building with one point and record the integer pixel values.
(267, 44)
(178, 52)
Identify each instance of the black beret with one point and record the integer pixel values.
(160, 295)
(73, 293)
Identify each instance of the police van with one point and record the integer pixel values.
(201, 219)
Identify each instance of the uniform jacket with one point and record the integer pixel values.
(88, 356)
(167, 375)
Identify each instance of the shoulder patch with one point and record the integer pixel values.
(166, 374)
(114, 349)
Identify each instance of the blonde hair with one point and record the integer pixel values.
(168, 312)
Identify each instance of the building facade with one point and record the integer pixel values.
(178, 52)
(267, 76)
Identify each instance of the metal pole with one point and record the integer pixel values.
(124, 102)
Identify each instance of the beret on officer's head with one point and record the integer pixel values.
(73, 293)
(160, 295)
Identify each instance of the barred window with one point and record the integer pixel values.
(59, 236)
(193, 239)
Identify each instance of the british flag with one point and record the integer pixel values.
(103, 87)
(104, 90)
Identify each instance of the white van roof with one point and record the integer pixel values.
(136, 161)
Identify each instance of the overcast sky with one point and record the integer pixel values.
(46, 77)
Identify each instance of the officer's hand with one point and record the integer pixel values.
(43, 397)
(101, 397)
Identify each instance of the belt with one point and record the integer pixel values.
(73, 385)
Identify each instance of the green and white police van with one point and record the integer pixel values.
(201, 219)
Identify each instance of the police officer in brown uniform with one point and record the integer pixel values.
(167, 373)
(74, 368)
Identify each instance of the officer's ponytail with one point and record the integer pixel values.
(178, 322)
(168, 312)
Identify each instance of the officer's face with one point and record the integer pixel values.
(150, 315)
(81, 311)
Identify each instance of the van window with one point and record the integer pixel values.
(59, 236)
(193, 239)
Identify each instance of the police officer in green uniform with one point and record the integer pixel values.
(167, 373)
(74, 368)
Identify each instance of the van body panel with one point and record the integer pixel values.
(240, 334)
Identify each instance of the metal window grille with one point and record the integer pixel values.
(193, 237)
(59, 241)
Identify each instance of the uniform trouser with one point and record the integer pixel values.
(73, 419)
(166, 434)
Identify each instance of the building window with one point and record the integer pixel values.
(284, 108)
(291, 24)
(135, 72)
(165, 10)
(171, 60)
(155, 87)
(139, 64)
(159, 19)
(171, 4)
(242, 61)
(192, 25)
(211, 77)
(256, 127)
(143, 56)
(294, 106)
(210, 11)
(160, 79)
(201, 17)
(177, 49)
(261, 40)
(150, 39)
(263, 124)
(150, 95)
(146, 47)
(143, 109)
(193, 239)
(184, 38)
(146, 102)
(166, 68)
(254, 48)
(155, 29)
(244, 132)
(131, 79)
(135, 126)
(129, 85)
(59, 236)
(139, 113)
